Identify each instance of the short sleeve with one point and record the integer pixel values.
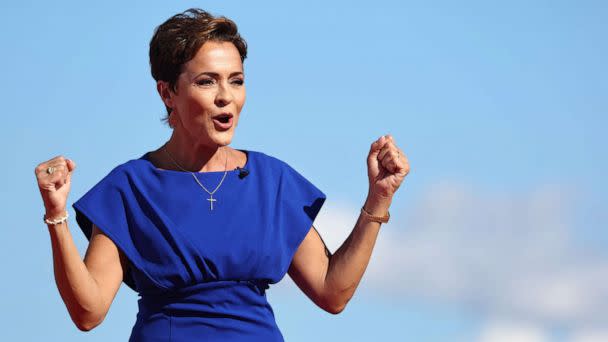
(299, 201)
(105, 206)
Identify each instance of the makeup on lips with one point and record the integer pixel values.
(223, 121)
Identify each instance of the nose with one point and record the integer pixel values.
(224, 96)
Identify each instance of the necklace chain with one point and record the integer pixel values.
(210, 199)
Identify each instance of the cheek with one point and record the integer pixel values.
(240, 100)
(200, 104)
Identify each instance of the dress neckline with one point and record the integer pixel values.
(153, 167)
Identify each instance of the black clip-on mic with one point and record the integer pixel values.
(243, 172)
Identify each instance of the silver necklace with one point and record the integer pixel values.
(210, 199)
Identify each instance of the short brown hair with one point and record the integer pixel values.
(177, 40)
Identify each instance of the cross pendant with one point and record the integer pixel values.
(211, 200)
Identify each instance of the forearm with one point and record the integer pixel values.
(348, 263)
(76, 285)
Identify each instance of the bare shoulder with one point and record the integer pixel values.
(240, 157)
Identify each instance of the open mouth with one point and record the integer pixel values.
(223, 121)
(223, 118)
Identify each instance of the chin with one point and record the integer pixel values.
(224, 140)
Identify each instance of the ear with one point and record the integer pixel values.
(165, 92)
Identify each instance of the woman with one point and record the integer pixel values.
(200, 229)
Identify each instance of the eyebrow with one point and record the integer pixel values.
(215, 74)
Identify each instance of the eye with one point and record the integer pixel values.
(205, 81)
(238, 81)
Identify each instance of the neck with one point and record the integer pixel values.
(195, 157)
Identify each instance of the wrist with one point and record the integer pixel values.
(377, 205)
(53, 214)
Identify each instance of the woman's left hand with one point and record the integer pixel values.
(387, 166)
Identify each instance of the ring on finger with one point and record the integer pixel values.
(50, 170)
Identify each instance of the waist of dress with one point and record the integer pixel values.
(218, 310)
(211, 295)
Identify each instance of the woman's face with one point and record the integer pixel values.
(211, 84)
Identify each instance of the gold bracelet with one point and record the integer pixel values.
(381, 219)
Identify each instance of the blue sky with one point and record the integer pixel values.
(501, 109)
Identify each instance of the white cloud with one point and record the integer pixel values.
(512, 332)
(502, 255)
(590, 336)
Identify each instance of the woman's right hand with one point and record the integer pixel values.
(55, 187)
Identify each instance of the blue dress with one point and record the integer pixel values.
(202, 273)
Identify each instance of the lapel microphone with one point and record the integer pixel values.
(243, 172)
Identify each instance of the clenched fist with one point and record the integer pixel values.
(54, 180)
(387, 166)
